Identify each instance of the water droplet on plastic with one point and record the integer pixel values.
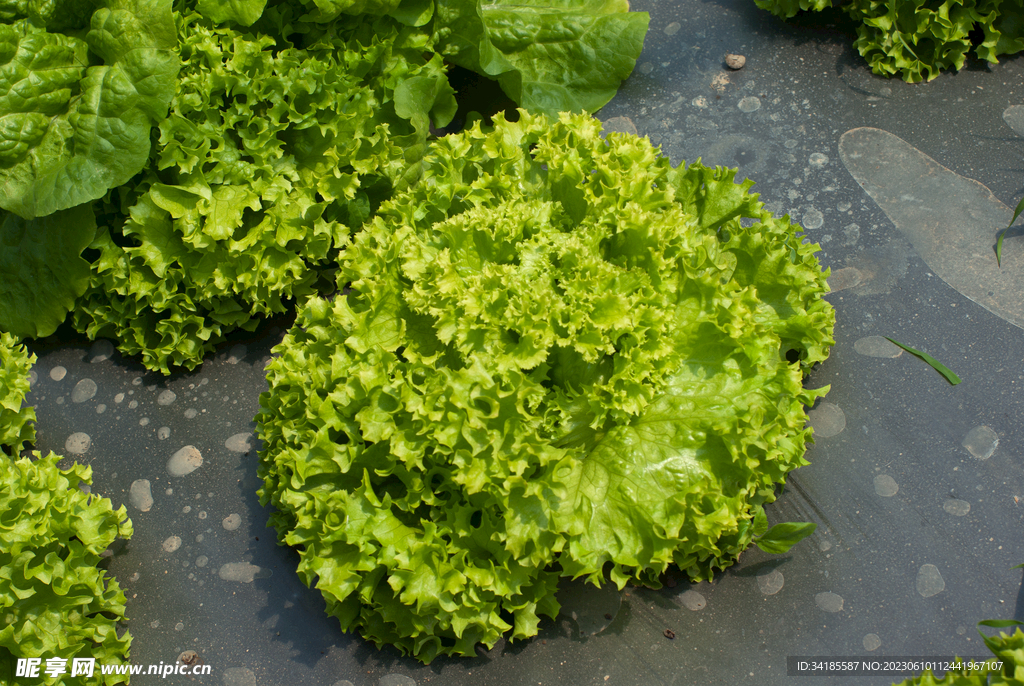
(140, 495)
(829, 602)
(78, 443)
(981, 442)
(827, 420)
(101, 350)
(185, 461)
(239, 443)
(771, 583)
(929, 581)
(84, 390)
(886, 486)
(956, 507)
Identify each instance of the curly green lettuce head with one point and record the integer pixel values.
(269, 156)
(556, 355)
(54, 600)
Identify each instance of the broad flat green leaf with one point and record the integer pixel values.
(241, 12)
(781, 537)
(414, 12)
(70, 129)
(421, 97)
(54, 15)
(549, 56)
(666, 483)
(43, 270)
(935, 364)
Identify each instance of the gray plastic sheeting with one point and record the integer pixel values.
(915, 485)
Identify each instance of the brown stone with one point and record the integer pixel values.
(735, 61)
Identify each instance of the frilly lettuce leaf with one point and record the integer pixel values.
(75, 114)
(916, 37)
(17, 425)
(1005, 668)
(920, 38)
(786, 9)
(266, 162)
(541, 363)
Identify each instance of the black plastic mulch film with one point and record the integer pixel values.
(916, 485)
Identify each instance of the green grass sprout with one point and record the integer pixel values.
(936, 365)
(1002, 235)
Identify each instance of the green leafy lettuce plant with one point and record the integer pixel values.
(271, 155)
(81, 85)
(554, 356)
(290, 122)
(1007, 649)
(919, 38)
(54, 600)
(548, 56)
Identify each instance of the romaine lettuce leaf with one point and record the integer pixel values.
(549, 56)
(43, 270)
(76, 113)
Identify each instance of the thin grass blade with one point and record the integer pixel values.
(999, 242)
(935, 364)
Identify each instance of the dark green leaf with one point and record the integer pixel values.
(242, 12)
(935, 364)
(781, 537)
(43, 271)
(1000, 623)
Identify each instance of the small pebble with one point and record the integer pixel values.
(735, 61)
